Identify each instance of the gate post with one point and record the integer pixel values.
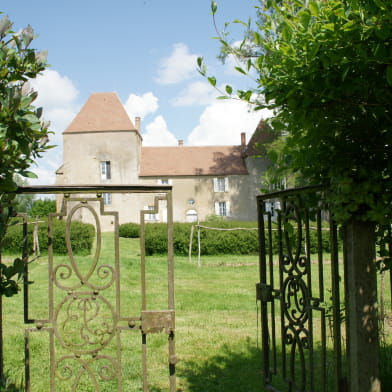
(361, 307)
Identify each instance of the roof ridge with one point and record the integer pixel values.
(101, 112)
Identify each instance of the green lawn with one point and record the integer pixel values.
(217, 325)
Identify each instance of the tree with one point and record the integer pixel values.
(23, 134)
(42, 208)
(325, 68)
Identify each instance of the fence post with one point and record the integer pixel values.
(361, 307)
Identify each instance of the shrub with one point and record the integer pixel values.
(82, 237)
(129, 230)
(212, 242)
(42, 208)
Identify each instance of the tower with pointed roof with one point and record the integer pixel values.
(101, 145)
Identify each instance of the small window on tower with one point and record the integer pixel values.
(105, 170)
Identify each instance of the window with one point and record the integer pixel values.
(221, 184)
(107, 198)
(105, 170)
(191, 216)
(222, 208)
(151, 217)
(164, 181)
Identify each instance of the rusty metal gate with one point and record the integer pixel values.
(299, 292)
(86, 319)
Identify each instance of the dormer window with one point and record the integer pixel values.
(105, 170)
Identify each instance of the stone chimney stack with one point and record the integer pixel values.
(181, 142)
(137, 123)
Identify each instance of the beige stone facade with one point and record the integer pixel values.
(103, 146)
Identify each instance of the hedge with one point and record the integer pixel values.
(82, 237)
(129, 230)
(214, 242)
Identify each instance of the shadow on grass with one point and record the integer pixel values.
(235, 369)
(6, 385)
(386, 366)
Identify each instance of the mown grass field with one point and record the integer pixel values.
(217, 324)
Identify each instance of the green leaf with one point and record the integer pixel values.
(314, 8)
(240, 22)
(214, 7)
(389, 74)
(380, 4)
(212, 80)
(240, 70)
(229, 89)
(28, 174)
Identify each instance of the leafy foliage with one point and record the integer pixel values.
(224, 242)
(42, 208)
(82, 238)
(129, 230)
(325, 69)
(23, 135)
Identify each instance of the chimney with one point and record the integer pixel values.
(137, 123)
(243, 140)
(180, 142)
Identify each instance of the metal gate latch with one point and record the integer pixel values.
(154, 321)
(264, 292)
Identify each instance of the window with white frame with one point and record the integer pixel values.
(151, 217)
(164, 181)
(221, 184)
(107, 198)
(105, 170)
(222, 208)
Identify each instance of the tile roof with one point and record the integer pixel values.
(262, 136)
(101, 112)
(190, 161)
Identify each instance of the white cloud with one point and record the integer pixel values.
(196, 93)
(57, 96)
(54, 90)
(223, 122)
(46, 169)
(140, 106)
(179, 66)
(158, 134)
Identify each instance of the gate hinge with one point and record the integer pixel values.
(154, 321)
(264, 292)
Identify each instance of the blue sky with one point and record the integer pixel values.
(145, 50)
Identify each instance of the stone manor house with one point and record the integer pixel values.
(103, 146)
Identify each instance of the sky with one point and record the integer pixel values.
(146, 52)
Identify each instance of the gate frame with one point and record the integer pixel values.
(265, 292)
(150, 321)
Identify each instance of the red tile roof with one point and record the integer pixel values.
(101, 112)
(191, 161)
(262, 136)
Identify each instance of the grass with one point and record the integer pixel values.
(217, 325)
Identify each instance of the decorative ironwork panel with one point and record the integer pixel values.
(85, 318)
(300, 311)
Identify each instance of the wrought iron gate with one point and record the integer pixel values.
(86, 318)
(301, 315)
